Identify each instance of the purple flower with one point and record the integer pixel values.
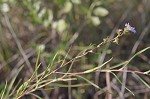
(129, 28)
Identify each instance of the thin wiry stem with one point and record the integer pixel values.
(132, 52)
(31, 88)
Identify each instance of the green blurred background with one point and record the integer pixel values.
(60, 25)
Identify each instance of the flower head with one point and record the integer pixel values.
(129, 28)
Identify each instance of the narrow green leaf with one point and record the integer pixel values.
(96, 86)
(146, 84)
(118, 65)
(91, 70)
(121, 83)
(11, 83)
(62, 85)
(37, 66)
(3, 91)
(147, 72)
(135, 56)
(38, 97)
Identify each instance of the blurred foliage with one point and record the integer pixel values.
(59, 26)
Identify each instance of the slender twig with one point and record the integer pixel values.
(103, 55)
(31, 88)
(79, 56)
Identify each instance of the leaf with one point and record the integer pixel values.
(5, 7)
(100, 11)
(121, 83)
(144, 82)
(38, 97)
(49, 17)
(3, 91)
(76, 1)
(59, 25)
(63, 85)
(116, 40)
(91, 70)
(37, 5)
(95, 20)
(10, 86)
(96, 86)
(67, 7)
(62, 25)
(143, 50)
(42, 13)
